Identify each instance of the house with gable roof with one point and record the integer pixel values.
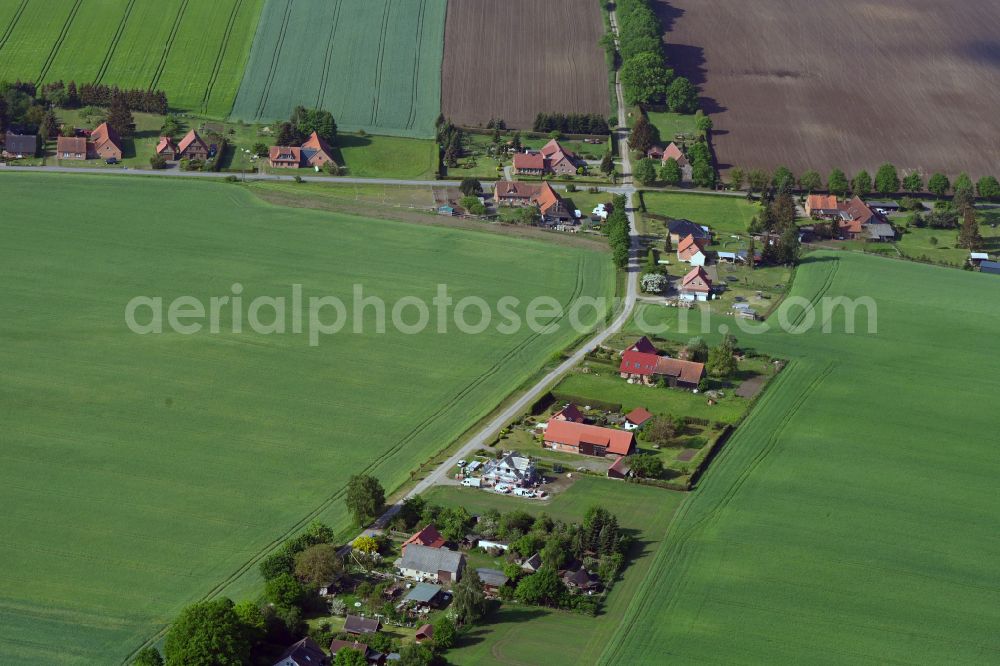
(642, 364)
(517, 194)
(588, 440)
(552, 158)
(696, 285)
(691, 250)
(105, 143)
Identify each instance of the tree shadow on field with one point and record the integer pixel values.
(348, 141)
(689, 62)
(511, 615)
(813, 259)
(668, 15)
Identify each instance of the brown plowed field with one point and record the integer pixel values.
(845, 83)
(511, 59)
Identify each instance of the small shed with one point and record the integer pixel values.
(423, 594)
(447, 209)
(990, 267)
(355, 624)
(493, 579)
(424, 633)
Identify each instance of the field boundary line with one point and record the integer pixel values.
(412, 116)
(169, 44)
(13, 23)
(379, 61)
(265, 92)
(54, 51)
(221, 55)
(405, 439)
(113, 46)
(321, 93)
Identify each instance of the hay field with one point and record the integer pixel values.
(142, 472)
(516, 58)
(374, 64)
(194, 51)
(851, 519)
(845, 84)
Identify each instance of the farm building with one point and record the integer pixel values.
(534, 563)
(569, 413)
(355, 624)
(854, 219)
(976, 258)
(992, 267)
(551, 206)
(71, 148)
(20, 145)
(105, 143)
(691, 250)
(423, 595)
(680, 229)
(643, 364)
(619, 469)
(492, 580)
(552, 158)
(429, 537)
(447, 210)
(438, 564)
(588, 440)
(822, 206)
(696, 285)
(672, 151)
(314, 152)
(636, 418)
(192, 147)
(306, 652)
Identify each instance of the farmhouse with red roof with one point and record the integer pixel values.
(637, 417)
(640, 365)
(105, 143)
(696, 285)
(550, 204)
(429, 536)
(552, 158)
(673, 151)
(569, 413)
(692, 250)
(588, 440)
(192, 147)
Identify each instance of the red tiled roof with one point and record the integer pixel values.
(188, 139)
(165, 143)
(638, 416)
(860, 213)
(689, 246)
(553, 149)
(822, 202)
(673, 151)
(546, 198)
(532, 161)
(71, 144)
(639, 363)
(541, 194)
(285, 154)
(429, 536)
(105, 134)
(618, 442)
(690, 280)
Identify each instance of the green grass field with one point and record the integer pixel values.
(526, 635)
(851, 519)
(144, 472)
(191, 50)
(376, 65)
(726, 215)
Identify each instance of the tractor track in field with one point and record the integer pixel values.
(321, 93)
(13, 23)
(114, 42)
(221, 55)
(54, 51)
(275, 57)
(169, 45)
(400, 444)
(412, 116)
(377, 88)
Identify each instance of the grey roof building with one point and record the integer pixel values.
(306, 652)
(20, 144)
(439, 564)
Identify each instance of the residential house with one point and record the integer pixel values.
(371, 656)
(513, 469)
(492, 580)
(167, 149)
(285, 157)
(569, 413)
(696, 285)
(636, 418)
(679, 229)
(105, 143)
(588, 440)
(642, 363)
(306, 652)
(551, 206)
(355, 624)
(582, 581)
(71, 148)
(316, 152)
(673, 151)
(192, 147)
(822, 206)
(534, 563)
(424, 633)
(552, 158)
(437, 564)
(691, 250)
(429, 537)
(20, 145)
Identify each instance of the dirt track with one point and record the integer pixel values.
(511, 59)
(845, 83)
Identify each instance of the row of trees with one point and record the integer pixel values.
(776, 222)
(887, 181)
(304, 122)
(32, 110)
(645, 77)
(571, 123)
(449, 140)
(617, 229)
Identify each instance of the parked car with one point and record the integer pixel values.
(461, 463)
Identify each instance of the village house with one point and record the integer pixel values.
(822, 206)
(582, 581)
(355, 624)
(673, 151)
(551, 206)
(853, 219)
(696, 285)
(429, 537)
(315, 152)
(569, 413)
(642, 363)
(71, 148)
(105, 143)
(552, 158)
(679, 229)
(20, 145)
(306, 652)
(192, 147)
(436, 564)
(533, 563)
(636, 418)
(588, 440)
(691, 250)
(167, 148)
(511, 469)
(492, 580)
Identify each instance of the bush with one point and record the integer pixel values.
(157, 162)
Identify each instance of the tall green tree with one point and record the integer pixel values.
(988, 188)
(350, 657)
(365, 498)
(468, 599)
(119, 117)
(789, 246)
(969, 236)
(736, 178)
(887, 179)
(319, 564)
(682, 96)
(913, 182)
(811, 181)
(758, 180)
(783, 179)
(207, 633)
(643, 135)
(670, 172)
(645, 171)
(470, 186)
(722, 358)
(148, 657)
(607, 164)
(963, 183)
(861, 184)
(645, 79)
(837, 183)
(541, 588)
(938, 185)
(444, 633)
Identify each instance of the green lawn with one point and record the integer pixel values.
(673, 126)
(191, 50)
(375, 65)
(916, 243)
(851, 519)
(148, 471)
(726, 215)
(528, 635)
